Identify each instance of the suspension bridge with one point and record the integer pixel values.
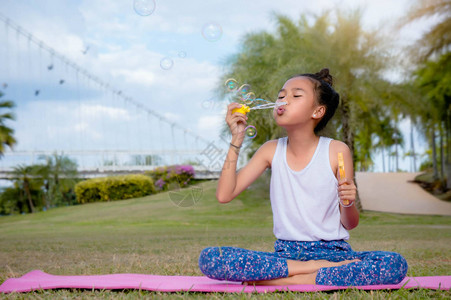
(65, 109)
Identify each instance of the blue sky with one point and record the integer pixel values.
(125, 50)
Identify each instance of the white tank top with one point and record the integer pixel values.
(305, 203)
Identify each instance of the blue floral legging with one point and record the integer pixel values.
(236, 264)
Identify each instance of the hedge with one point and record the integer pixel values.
(178, 175)
(114, 188)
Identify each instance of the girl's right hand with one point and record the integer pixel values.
(237, 122)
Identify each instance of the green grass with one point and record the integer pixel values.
(151, 235)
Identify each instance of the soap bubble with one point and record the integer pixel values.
(251, 131)
(231, 84)
(260, 101)
(249, 98)
(212, 31)
(144, 7)
(244, 90)
(182, 54)
(166, 63)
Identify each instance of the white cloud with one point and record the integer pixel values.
(140, 76)
(210, 126)
(172, 117)
(113, 113)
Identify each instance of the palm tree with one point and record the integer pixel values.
(433, 80)
(6, 133)
(24, 180)
(438, 39)
(59, 174)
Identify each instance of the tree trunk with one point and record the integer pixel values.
(383, 160)
(442, 157)
(348, 138)
(412, 148)
(348, 135)
(448, 150)
(389, 159)
(27, 191)
(396, 156)
(434, 155)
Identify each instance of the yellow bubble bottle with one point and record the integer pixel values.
(244, 109)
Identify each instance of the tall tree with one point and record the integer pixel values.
(433, 79)
(59, 174)
(25, 180)
(6, 133)
(437, 40)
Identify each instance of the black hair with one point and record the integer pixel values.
(325, 95)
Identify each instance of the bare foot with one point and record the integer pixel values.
(307, 267)
(307, 278)
(330, 264)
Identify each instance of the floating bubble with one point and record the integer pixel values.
(231, 84)
(244, 90)
(144, 7)
(182, 54)
(249, 98)
(261, 102)
(251, 131)
(166, 63)
(212, 31)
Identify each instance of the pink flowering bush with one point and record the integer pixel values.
(170, 177)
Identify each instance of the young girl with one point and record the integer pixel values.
(311, 222)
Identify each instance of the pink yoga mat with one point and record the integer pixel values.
(37, 280)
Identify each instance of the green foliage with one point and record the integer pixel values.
(12, 201)
(40, 186)
(437, 39)
(59, 175)
(6, 133)
(170, 177)
(114, 188)
(28, 181)
(432, 80)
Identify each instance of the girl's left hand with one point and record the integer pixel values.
(347, 190)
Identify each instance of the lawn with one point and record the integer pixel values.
(152, 235)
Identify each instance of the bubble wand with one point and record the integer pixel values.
(244, 109)
(341, 170)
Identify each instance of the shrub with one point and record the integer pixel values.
(11, 201)
(114, 188)
(177, 175)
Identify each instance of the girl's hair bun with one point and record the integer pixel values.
(325, 76)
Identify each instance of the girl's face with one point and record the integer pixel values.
(299, 94)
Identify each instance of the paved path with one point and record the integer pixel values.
(392, 192)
